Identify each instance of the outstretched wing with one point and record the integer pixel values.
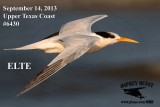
(72, 52)
(81, 25)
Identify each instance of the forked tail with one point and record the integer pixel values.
(27, 47)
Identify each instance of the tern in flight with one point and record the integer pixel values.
(74, 39)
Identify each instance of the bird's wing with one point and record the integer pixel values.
(74, 50)
(81, 25)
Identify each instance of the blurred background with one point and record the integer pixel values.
(94, 79)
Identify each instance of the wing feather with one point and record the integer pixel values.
(81, 25)
(71, 53)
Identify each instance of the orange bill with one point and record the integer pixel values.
(123, 39)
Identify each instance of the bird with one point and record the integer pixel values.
(74, 39)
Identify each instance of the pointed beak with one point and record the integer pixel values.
(123, 39)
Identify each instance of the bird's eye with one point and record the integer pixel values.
(111, 36)
(105, 34)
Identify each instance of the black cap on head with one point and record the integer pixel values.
(105, 34)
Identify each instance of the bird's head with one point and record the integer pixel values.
(112, 38)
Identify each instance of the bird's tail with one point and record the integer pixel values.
(27, 47)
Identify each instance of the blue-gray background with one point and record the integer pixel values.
(94, 79)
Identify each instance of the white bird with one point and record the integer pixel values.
(74, 39)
